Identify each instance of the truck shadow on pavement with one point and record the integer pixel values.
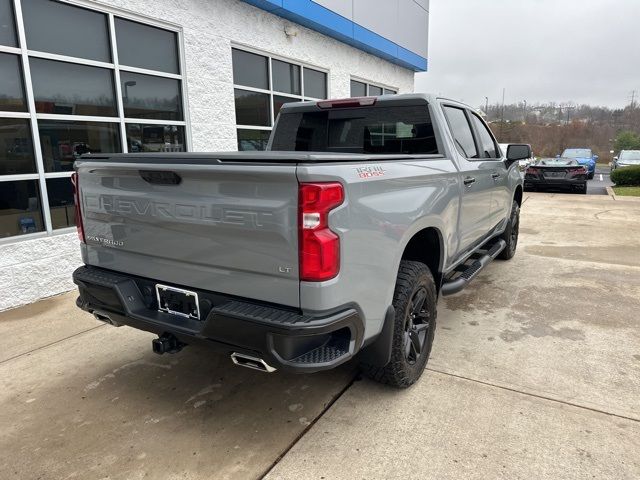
(125, 412)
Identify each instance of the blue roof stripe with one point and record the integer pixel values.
(327, 22)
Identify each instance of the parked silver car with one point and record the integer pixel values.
(625, 159)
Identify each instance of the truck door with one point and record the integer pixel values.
(475, 179)
(491, 155)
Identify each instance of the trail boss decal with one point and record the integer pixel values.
(370, 171)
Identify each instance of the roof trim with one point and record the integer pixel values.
(316, 17)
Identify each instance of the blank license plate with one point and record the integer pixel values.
(554, 174)
(177, 301)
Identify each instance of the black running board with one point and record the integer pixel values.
(469, 273)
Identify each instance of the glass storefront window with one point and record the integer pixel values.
(61, 203)
(63, 142)
(144, 46)
(148, 96)
(16, 148)
(252, 108)
(155, 138)
(279, 100)
(20, 208)
(252, 140)
(70, 102)
(71, 89)
(12, 98)
(315, 83)
(286, 77)
(358, 89)
(250, 69)
(57, 27)
(7, 25)
(375, 91)
(363, 89)
(270, 89)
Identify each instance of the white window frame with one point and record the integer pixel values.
(369, 83)
(24, 53)
(270, 91)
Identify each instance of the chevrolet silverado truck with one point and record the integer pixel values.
(335, 243)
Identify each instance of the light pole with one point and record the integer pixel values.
(486, 106)
(130, 83)
(524, 119)
(502, 115)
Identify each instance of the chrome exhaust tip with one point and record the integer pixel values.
(251, 362)
(104, 317)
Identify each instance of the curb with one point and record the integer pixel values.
(621, 198)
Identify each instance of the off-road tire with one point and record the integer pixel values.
(413, 278)
(510, 234)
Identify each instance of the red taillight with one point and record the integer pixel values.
(578, 170)
(319, 247)
(76, 199)
(347, 102)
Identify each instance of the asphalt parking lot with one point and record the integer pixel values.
(535, 373)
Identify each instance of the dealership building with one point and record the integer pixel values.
(81, 77)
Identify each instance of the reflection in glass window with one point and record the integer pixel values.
(252, 108)
(12, 97)
(68, 88)
(20, 208)
(252, 140)
(315, 83)
(250, 70)
(16, 149)
(147, 47)
(286, 77)
(7, 25)
(155, 138)
(61, 203)
(279, 100)
(389, 92)
(358, 89)
(148, 96)
(64, 29)
(63, 142)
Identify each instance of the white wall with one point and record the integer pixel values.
(34, 269)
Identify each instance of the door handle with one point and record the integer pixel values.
(469, 181)
(495, 176)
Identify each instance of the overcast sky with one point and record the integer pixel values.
(583, 51)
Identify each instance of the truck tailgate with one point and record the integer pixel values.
(224, 228)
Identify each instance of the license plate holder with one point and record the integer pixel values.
(177, 301)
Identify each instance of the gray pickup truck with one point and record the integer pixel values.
(334, 243)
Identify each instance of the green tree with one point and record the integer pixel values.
(627, 141)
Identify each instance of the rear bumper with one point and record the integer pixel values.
(284, 337)
(572, 183)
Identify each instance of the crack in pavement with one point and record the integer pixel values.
(2, 362)
(536, 395)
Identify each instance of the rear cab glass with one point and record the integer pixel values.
(370, 130)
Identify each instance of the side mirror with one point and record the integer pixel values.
(518, 151)
(557, 156)
(596, 157)
(615, 159)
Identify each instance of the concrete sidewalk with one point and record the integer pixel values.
(535, 371)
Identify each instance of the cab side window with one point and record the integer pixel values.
(488, 146)
(461, 131)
